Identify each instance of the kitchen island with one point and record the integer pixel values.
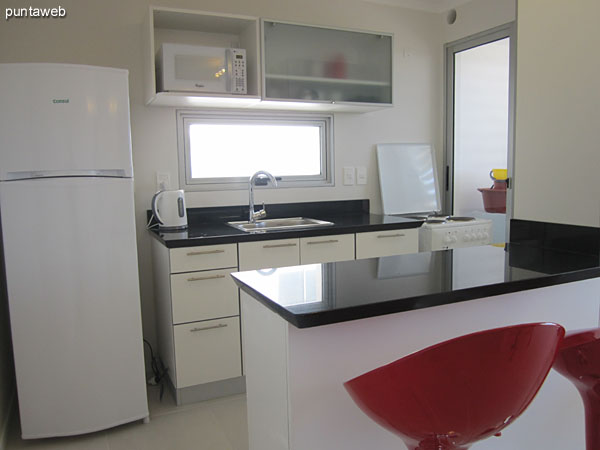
(308, 329)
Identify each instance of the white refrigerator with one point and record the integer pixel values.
(68, 233)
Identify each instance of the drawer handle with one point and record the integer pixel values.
(205, 252)
(330, 241)
(279, 245)
(211, 277)
(212, 327)
(390, 235)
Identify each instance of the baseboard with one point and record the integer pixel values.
(4, 427)
(207, 391)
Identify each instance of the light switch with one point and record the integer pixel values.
(361, 175)
(348, 176)
(163, 181)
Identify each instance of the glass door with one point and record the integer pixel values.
(479, 128)
(316, 64)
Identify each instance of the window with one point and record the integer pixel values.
(221, 150)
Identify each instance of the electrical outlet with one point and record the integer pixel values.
(348, 176)
(163, 181)
(361, 175)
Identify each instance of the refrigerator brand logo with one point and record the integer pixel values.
(60, 100)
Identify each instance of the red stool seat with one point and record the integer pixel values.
(455, 393)
(578, 359)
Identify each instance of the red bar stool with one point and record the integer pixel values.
(455, 393)
(578, 359)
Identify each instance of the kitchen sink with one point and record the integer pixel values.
(289, 223)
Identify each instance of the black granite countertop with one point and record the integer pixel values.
(207, 226)
(321, 294)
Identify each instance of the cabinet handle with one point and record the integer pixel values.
(205, 252)
(390, 235)
(279, 245)
(330, 241)
(211, 277)
(212, 327)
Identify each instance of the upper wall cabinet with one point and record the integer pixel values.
(287, 66)
(338, 69)
(200, 29)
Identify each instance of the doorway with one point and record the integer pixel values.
(479, 127)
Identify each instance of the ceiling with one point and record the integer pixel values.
(423, 5)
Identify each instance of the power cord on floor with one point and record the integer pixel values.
(159, 371)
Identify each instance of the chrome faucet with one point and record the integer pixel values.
(261, 214)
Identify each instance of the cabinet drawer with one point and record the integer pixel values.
(264, 254)
(324, 249)
(207, 351)
(206, 257)
(203, 295)
(387, 243)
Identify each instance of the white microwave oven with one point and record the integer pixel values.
(192, 68)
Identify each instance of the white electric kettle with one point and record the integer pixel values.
(169, 209)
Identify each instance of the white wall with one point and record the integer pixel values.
(557, 148)
(477, 16)
(109, 33)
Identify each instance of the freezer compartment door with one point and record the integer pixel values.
(72, 280)
(63, 118)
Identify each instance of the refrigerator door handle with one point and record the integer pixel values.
(27, 175)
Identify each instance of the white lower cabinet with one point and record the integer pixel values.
(374, 244)
(207, 351)
(323, 249)
(197, 309)
(204, 295)
(291, 252)
(197, 302)
(189, 259)
(267, 254)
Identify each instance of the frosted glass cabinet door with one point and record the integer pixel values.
(329, 65)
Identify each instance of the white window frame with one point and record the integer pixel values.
(185, 118)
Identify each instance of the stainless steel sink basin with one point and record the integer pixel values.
(288, 223)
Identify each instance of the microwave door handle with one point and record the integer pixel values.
(229, 65)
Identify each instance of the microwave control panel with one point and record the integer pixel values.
(236, 62)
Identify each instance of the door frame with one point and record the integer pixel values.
(508, 30)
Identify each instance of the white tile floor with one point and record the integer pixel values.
(218, 424)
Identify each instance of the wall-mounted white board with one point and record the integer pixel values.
(408, 179)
